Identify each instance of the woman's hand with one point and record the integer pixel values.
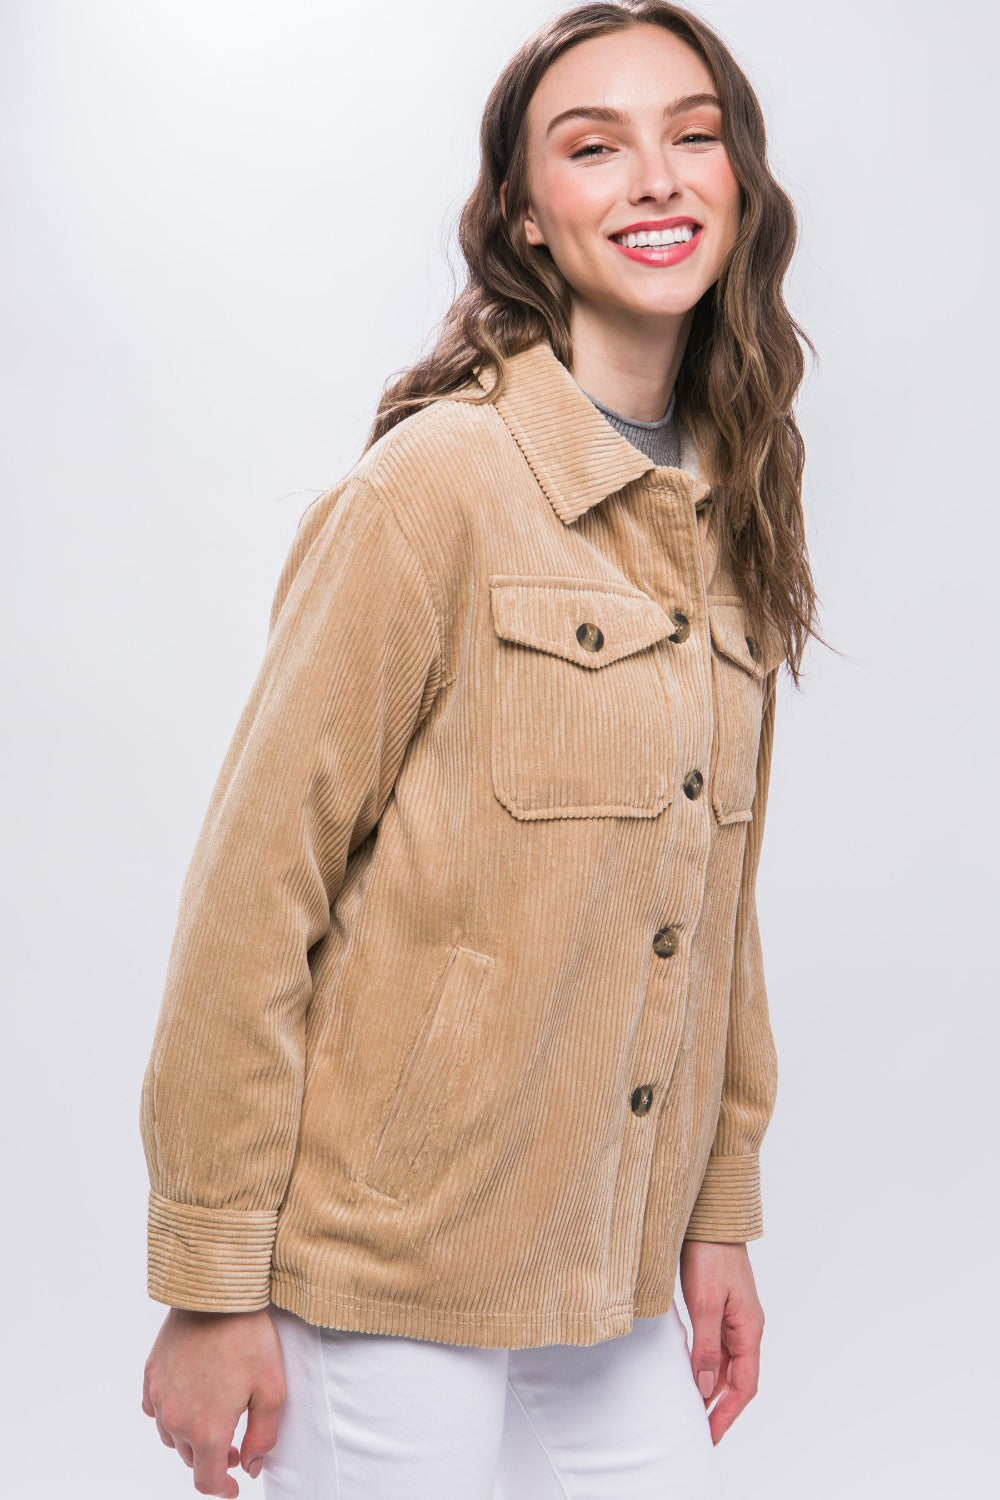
(204, 1370)
(727, 1321)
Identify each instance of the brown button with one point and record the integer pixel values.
(683, 627)
(753, 647)
(642, 1098)
(666, 942)
(693, 783)
(591, 637)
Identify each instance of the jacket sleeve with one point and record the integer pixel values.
(728, 1206)
(351, 666)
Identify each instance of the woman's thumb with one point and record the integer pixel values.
(263, 1414)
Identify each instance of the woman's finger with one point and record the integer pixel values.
(186, 1452)
(165, 1436)
(739, 1391)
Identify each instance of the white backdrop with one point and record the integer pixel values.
(225, 223)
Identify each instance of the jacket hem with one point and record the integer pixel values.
(481, 1327)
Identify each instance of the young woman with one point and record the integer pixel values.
(464, 1058)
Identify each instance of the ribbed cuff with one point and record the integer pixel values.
(728, 1205)
(209, 1259)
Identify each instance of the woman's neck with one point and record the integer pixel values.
(632, 371)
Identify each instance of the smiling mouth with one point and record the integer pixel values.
(657, 257)
(657, 239)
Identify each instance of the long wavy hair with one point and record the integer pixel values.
(742, 364)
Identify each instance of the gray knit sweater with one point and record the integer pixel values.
(659, 440)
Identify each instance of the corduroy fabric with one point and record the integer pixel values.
(427, 1062)
(659, 440)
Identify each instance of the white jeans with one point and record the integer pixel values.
(373, 1416)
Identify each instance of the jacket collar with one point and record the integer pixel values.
(575, 454)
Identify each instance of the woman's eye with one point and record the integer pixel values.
(593, 147)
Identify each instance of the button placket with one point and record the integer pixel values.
(679, 587)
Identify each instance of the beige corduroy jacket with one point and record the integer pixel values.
(465, 1026)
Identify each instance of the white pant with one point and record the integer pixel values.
(373, 1416)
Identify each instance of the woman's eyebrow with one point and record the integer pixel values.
(616, 117)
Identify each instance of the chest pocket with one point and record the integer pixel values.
(583, 719)
(740, 665)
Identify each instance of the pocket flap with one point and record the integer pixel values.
(548, 615)
(731, 635)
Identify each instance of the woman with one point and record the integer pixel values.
(464, 1057)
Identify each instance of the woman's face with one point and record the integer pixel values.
(592, 176)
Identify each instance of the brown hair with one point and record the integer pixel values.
(742, 364)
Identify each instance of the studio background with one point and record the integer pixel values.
(225, 224)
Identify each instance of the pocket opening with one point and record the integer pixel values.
(435, 1068)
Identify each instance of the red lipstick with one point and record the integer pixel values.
(660, 255)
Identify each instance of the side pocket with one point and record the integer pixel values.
(432, 1089)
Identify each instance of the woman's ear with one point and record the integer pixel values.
(532, 231)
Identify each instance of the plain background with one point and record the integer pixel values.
(225, 224)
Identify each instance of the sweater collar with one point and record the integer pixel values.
(575, 454)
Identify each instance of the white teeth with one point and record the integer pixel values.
(653, 237)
